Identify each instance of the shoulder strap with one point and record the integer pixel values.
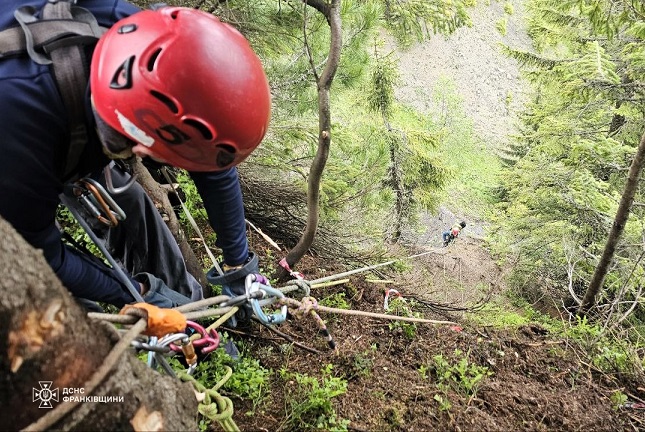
(71, 73)
(58, 39)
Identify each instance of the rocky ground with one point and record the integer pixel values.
(488, 82)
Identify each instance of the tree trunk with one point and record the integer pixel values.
(159, 196)
(616, 230)
(332, 14)
(397, 186)
(46, 337)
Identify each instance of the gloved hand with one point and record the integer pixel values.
(233, 284)
(158, 292)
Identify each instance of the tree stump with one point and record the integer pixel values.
(46, 337)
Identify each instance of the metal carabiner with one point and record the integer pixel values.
(107, 173)
(253, 286)
(207, 342)
(114, 207)
(97, 202)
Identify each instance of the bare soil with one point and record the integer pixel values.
(538, 382)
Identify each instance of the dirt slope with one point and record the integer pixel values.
(530, 380)
(446, 377)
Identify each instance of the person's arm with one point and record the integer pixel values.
(83, 276)
(33, 145)
(222, 198)
(108, 11)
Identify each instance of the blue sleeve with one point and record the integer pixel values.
(33, 137)
(222, 198)
(35, 134)
(106, 11)
(84, 277)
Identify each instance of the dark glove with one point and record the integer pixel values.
(233, 284)
(158, 292)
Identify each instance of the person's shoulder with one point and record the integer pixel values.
(7, 8)
(107, 12)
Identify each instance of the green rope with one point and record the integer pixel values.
(214, 407)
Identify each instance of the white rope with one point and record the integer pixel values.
(192, 221)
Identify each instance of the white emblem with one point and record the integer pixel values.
(134, 132)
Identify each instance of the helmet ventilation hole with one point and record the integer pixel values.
(201, 128)
(153, 59)
(225, 155)
(122, 78)
(166, 101)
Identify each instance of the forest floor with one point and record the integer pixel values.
(466, 376)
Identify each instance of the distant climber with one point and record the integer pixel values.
(453, 232)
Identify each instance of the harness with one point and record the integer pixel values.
(58, 38)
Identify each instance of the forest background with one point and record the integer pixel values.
(538, 170)
(540, 180)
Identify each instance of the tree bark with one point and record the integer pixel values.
(46, 336)
(332, 14)
(159, 196)
(622, 214)
(397, 185)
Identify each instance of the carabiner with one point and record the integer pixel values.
(207, 342)
(107, 173)
(97, 202)
(253, 286)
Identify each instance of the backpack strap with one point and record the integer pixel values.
(58, 39)
(45, 36)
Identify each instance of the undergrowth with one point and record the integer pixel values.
(308, 403)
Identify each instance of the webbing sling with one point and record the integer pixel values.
(58, 39)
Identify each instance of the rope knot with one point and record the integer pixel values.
(214, 406)
(304, 287)
(307, 305)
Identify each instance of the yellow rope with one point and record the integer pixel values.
(222, 319)
(215, 407)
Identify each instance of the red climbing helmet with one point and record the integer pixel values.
(184, 85)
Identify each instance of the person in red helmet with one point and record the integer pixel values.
(172, 81)
(173, 85)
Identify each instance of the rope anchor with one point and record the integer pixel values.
(255, 283)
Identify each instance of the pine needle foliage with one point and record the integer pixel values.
(414, 20)
(292, 40)
(577, 139)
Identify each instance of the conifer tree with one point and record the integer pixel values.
(579, 134)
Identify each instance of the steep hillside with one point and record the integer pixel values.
(491, 92)
(465, 376)
(514, 375)
(487, 81)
